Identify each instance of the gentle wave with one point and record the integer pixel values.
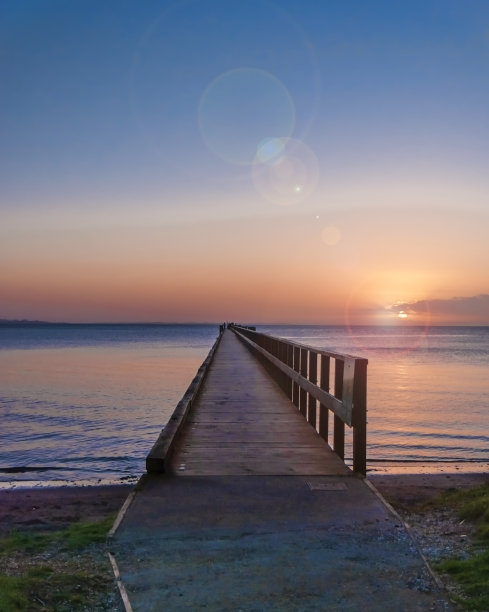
(433, 460)
(439, 436)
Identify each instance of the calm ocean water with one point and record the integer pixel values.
(428, 392)
(84, 403)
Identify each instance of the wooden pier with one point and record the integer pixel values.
(257, 407)
(245, 505)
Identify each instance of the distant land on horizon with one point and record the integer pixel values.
(23, 322)
(29, 322)
(20, 322)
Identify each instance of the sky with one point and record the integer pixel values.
(256, 161)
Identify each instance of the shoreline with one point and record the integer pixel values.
(421, 467)
(411, 489)
(381, 467)
(55, 507)
(18, 485)
(58, 507)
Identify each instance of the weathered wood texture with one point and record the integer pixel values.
(158, 459)
(242, 423)
(347, 399)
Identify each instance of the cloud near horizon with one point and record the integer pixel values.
(471, 309)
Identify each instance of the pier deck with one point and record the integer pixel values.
(258, 514)
(242, 423)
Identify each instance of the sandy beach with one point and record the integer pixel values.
(54, 507)
(412, 489)
(57, 507)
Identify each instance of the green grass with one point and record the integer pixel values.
(81, 535)
(470, 504)
(471, 574)
(44, 588)
(23, 541)
(59, 582)
(75, 537)
(13, 594)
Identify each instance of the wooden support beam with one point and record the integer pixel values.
(323, 409)
(360, 417)
(333, 404)
(313, 375)
(296, 366)
(289, 361)
(347, 401)
(303, 392)
(339, 425)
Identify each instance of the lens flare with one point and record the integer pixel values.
(270, 150)
(285, 171)
(242, 109)
(331, 235)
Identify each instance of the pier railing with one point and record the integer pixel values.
(159, 458)
(318, 382)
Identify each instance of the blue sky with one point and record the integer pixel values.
(141, 115)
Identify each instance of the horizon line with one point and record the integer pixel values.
(392, 324)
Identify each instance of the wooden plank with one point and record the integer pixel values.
(347, 388)
(296, 368)
(303, 393)
(360, 414)
(331, 402)
(339, 425)
(323, 410)
(242, 423)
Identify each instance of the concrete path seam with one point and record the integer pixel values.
(121, 513)
(120, 584)
(432, 572)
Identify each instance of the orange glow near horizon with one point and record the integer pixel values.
(279, 269)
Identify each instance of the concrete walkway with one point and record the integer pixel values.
(224, 533)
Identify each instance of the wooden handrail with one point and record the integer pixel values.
(158, 459)
(295, 367)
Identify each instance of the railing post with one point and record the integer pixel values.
(295, 386)
(305, 394)
(302, 392)
(273, 351)
(313, 376)
(360, 417)
(323, 410)
(282, 355)
(289, 360)
(339, 426)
